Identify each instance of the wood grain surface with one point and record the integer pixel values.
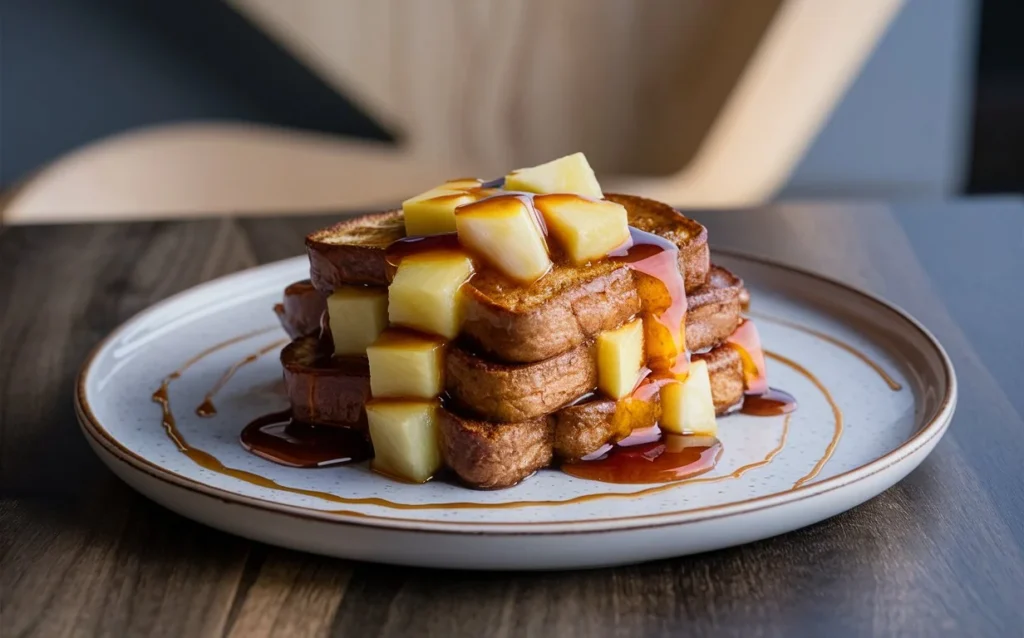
(940, 554)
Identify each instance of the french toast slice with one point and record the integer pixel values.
(583, 428)
(300, 309)
(511, 322)
(728, 384)
(352, 251)
(506, 392)
(490, 455)
(714, 310)
(513, 392)
(661, 219)
(325, 390)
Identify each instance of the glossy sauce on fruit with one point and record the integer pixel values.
(760, 399)
(663, 296)
(409, 246)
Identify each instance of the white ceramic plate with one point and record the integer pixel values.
(876, 392)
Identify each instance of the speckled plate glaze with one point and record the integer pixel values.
(876, 392)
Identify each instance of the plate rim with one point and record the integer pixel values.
(933, 428)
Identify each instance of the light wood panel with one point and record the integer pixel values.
(494, 84)
(697, 102)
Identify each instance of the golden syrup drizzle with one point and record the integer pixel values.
(207, 408)
(163, 398)
(837, 414)
(893, 384)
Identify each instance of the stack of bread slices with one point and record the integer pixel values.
(490, 328)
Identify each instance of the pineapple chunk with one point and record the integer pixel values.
(405, 365)
(584, 228)
(357, 314)
(433, 212)
(462, 184)
(405, 439)
(504, 232)
(620, 355)
(569, 174)
(425, 293)
(686, 406)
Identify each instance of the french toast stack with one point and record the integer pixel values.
(519, 370)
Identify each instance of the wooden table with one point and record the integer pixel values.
(940, 554)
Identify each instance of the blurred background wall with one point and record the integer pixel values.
(936, 109)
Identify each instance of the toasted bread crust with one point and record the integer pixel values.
(582, 429)
(324, 390)
(515, 323)
(513, 392)
(353, 251)
(725, 367)
(714, 310)
(536, 332)
(301, 308)
(492, 455)
(495, 455)
(661, 219)
(488, 454)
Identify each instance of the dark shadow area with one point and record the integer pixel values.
(74, 71)
(997, 154)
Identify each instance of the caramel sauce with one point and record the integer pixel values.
(278, 438)
(667, 459)
(746, 341)
(419, 244)
(207, 408)
(648, 386)
(509, 200)
(837, 415)
(663, 299)
(772, 402)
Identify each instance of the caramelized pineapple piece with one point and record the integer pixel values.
(405, 439)
(425, 293)
(357, 314)
(569, 174)
(433, 212)
(585, 229)
(504, 232)
(665, 349)
(620, 356)
(664, 311)
(405, 365)
(686, 406)
(747, 342)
